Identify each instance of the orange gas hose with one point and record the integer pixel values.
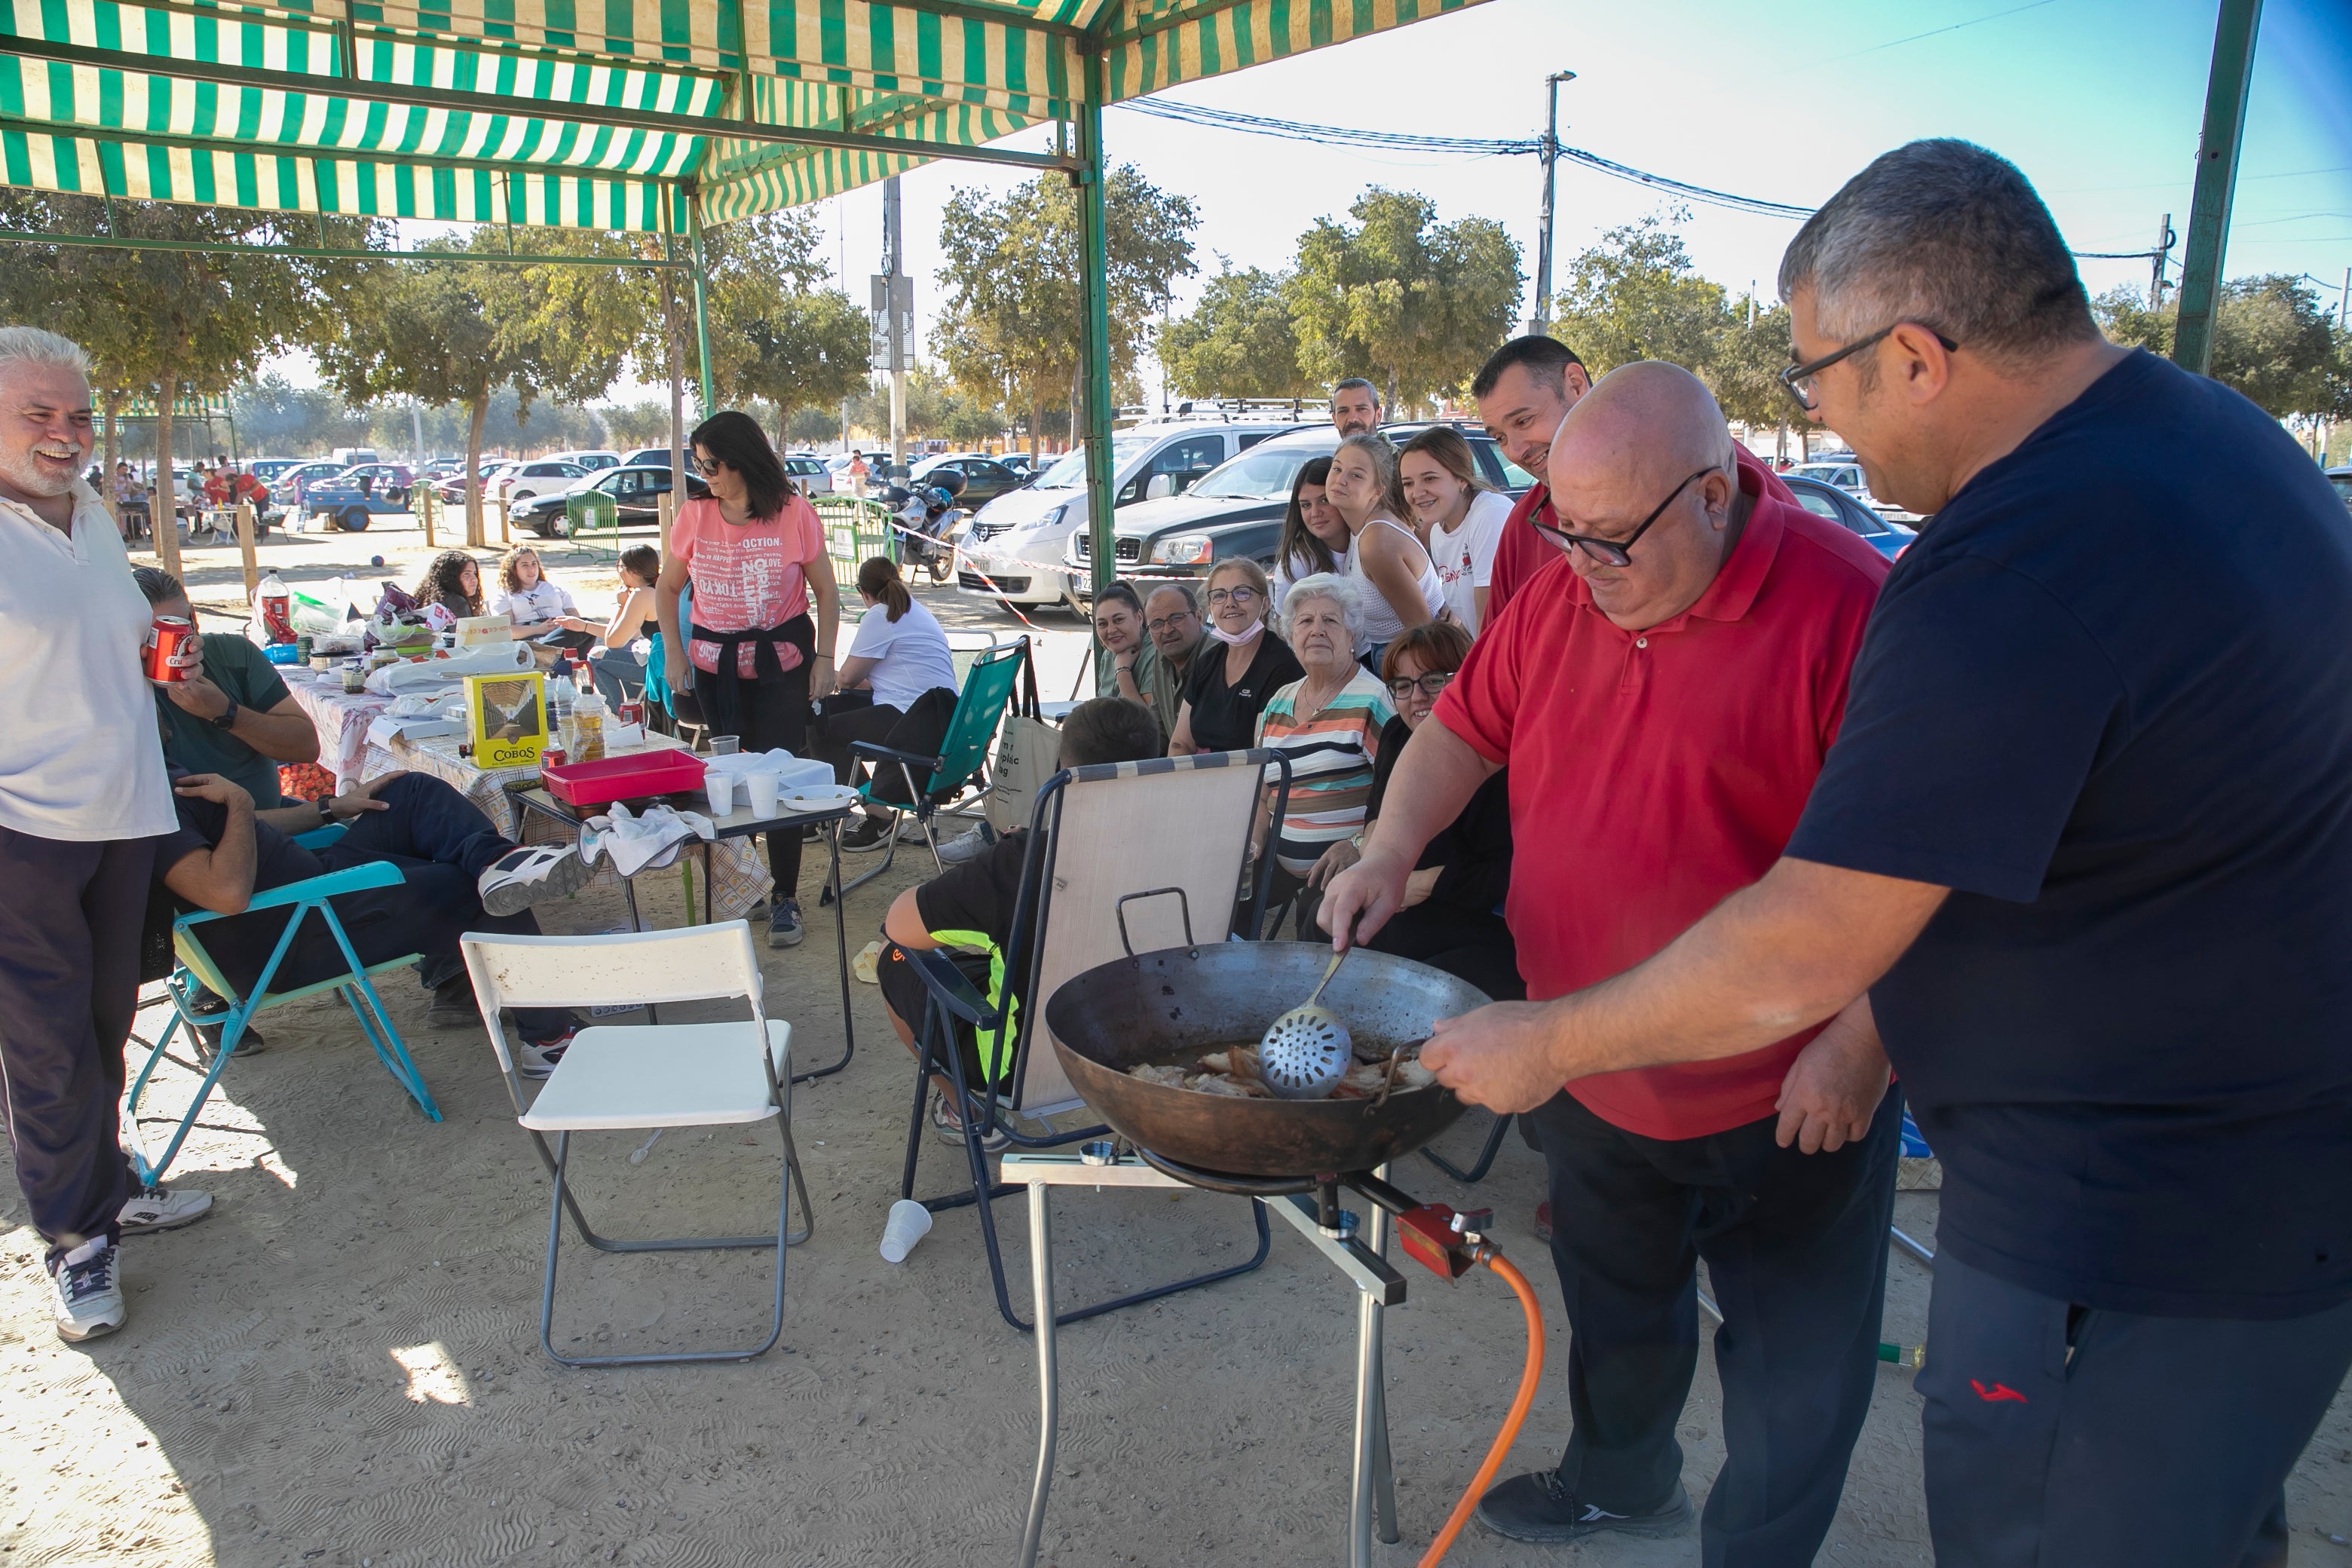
(1526, 1399)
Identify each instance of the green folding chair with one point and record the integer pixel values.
(1002, 678)
(197, 980)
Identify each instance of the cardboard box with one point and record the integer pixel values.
(506, 715)
(485, 631)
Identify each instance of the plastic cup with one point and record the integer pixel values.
(725, 745)
(762, 789)
(720, 788)
(910, 1223)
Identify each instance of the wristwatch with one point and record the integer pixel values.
(326, 805)
(226, 718)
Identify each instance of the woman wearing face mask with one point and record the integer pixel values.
(1229, 684)
(1460, 517)
(1313, 538)
(1389, 561)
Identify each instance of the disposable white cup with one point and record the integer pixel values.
(725, 745)
(910, 1223)
(763, 788)
(720, 788)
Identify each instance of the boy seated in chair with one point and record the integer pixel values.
(969, 908)
(458, 875)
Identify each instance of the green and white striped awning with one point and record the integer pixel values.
(587, 113)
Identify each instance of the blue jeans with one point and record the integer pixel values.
(609, 668)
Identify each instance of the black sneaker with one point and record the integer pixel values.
(208, 1039)
(785, 922)
(1540, 1507)
(454, 1007)
(871, 832)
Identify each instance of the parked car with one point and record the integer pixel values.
(636, 490)
(1884, 535)
(1016, 544)
(342, 502)
(452, 489)
(808, 472)
(390, 480)
(595, 461)
(1020, 463)
(520, 483)
(266, 470)
(2342, 479)
(1237, 509)
(984, 478)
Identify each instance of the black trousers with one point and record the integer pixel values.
(2103, 1439)
(844, 719)
(1473, 945)
(1796, 1248)
(69, 936)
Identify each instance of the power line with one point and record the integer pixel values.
(1489, 147)
(1936, 32)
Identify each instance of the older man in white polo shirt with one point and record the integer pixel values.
(82, 798)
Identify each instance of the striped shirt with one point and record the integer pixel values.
(1331, 757)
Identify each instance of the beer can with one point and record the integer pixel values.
(630, 712)
(166, 641)
(303, 645)
(553, 757)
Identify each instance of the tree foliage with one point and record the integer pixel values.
(1411, 304)
(1238, 342)
(2271, 341)
(808, 352)
(1635, 296)
(1013, 321)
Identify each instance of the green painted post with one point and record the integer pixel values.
(2216, 182)
(701, 311)
(1094, 266)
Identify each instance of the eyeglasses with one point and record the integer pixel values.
(1236, 595)
(1618, 552)
(1799, 378)
(1430, 685)
(1164, 622)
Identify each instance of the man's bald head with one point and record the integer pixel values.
(1649, 423)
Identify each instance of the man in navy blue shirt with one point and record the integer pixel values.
(2083, 850)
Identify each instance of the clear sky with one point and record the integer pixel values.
(2098, 100)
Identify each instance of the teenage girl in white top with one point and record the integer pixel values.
(1401, 583)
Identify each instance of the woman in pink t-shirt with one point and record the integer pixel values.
(755, 551)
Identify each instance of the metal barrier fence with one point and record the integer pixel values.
(854, 530)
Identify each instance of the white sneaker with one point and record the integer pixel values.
(87, 1292)
(538, 1058)
(964, 846)
(163, 1208)
(521, 878)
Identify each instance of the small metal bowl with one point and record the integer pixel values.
(1098, 1152)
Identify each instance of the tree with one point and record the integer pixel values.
(1401, 299)
(1014, 321)
(1744, 367)
(636, 424)
(810, 349)
(2271, 341)
(159, 323)
(1635, 297)
(1238, 342)
(274, 415)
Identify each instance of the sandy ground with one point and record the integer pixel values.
(340, 1366)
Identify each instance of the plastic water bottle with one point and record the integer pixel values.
(562, 698)
(588, 727)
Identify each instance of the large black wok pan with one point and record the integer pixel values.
(1173, 1005)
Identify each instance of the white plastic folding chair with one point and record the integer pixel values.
(646, 1076)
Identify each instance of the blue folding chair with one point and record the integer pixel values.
(197, 978)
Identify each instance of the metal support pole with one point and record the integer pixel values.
(2216, 182)
(1094, 348)
(894, 320)
(710, 399)
(1539, 318)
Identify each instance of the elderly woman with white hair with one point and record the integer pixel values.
(1330, 721)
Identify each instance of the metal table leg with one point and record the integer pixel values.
(841, 947)
(1049, 1396)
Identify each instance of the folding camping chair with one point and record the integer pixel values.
(195, 976)
(988, 692)
(1102, 877)
(638, 1076)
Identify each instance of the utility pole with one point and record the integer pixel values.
(2216, 182)
(841, 236)
(2344, 304)
(416, 429)
(1539, 318)
(894, 302)
(2165, 240)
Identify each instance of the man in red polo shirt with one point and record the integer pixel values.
(1523, 393)
(1664, 697)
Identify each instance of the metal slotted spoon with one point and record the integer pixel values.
(1304, 1053)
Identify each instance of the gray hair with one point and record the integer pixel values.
(1341, 591)
(1351, 384)
(37, 345)
(1947, 235)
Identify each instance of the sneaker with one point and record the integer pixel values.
(1541, 1508)
(85, 1291)
(948, 1128)
(1543, 1222)
(153, 1209)
(871, 832)
(208, 1039)
(521, 878)
(537, 1058)
(454, 1007)
(785, 922)
(966, 846)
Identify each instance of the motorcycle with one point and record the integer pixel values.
(929, 517)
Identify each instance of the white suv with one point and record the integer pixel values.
(1013, 547)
